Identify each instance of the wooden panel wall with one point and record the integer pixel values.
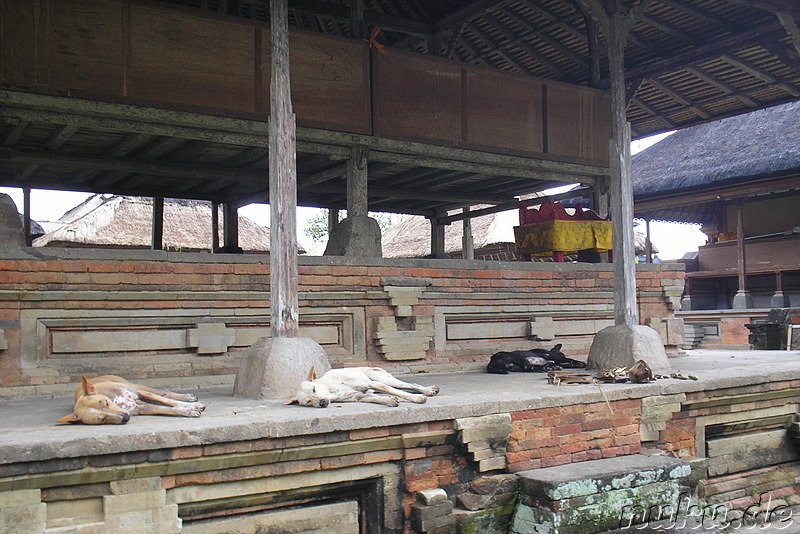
(76, 45)
(503, 111)
(427, 99)
(123, 51)
(417, 98)
(578, 122)
(176, 57)
(330, 82)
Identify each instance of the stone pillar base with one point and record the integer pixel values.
(623, 345)
(779, 300)
(273, 367)
(742, 300)
(355, 236)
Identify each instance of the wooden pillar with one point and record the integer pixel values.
(214, 227)
(742, 298)
(648, 244)
(157, 232)
(625, 311)
(333, 220)
(615, 19)
(437, 238)
(26, 215)
(230, 227)
(467, 243)
(282, 182)
(357, 199)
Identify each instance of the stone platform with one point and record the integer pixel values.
(251, 462)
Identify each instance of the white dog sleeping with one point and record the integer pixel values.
(357, 384)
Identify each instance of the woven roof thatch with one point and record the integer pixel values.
(412, 236)
(761, 143)
(122, 221)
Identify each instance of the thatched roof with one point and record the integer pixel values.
(122, 221)
(412, 236)
(721, 154)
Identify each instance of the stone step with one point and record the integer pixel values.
(598, 495)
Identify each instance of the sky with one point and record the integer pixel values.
(672, 240)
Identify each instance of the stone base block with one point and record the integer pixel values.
(623, 345)
(598, 495)
(273, 367)
(355, 236)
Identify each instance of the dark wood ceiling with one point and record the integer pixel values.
(687, 62)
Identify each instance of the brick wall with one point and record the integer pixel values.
(557, 436)
(162, 315)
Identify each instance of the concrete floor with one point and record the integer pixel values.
(28, 431)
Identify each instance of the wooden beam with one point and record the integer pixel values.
(761, 74)
(725, 193)
(416, 194)
(790, 7)
(332, 173)
(684, 101)
(790, 23)
(141, 124)
(711, 49)
(455, 165)
(575, 193)
(282, 183)
(594, 52)
(467, 13)
(126, 165)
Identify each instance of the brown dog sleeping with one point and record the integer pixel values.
(111, 400)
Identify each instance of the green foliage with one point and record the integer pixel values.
(317, 227)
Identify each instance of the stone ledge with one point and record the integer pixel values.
(598, 476)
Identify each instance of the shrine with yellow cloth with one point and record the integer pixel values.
(565, 237)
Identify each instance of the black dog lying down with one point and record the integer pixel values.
(532, 361)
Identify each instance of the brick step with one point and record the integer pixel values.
(597, 495)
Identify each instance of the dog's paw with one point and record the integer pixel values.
(394, 402)
(434, 391)
(194, 410)
(190, 398)
(419, 399)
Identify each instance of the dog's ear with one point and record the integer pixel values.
(292, 401)
(312, 373)
(71, 418)
(557, 347)
(86, 387)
